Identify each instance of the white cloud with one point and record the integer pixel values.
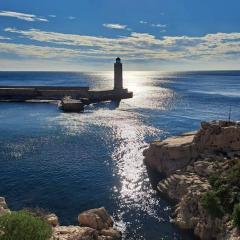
(4, 38)
(71, 18)
(52, 15)
(143, 22)
(159, 25)
(162, 30)
(114, 26)
(22, 16)
(136, 46)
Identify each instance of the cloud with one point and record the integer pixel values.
(135, 46)
(155, 25)
(114, 26)
(22, 16)
(52, 15)
(4, 38)
(159, 25)
(41, 52)
(71, 18)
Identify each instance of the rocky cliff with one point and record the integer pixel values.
(177, 152)
(196, 165)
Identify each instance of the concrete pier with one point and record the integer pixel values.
(24, 93)
(67, 95)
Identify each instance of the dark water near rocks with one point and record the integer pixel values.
(68, 163)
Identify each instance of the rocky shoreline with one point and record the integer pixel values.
(190, 162)
(94, 224)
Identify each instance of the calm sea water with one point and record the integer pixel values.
(68, 163)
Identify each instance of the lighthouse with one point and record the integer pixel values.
(118, 78)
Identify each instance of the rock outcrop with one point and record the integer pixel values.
(171, 154)
(186, 188)
(74, 233)
(177, 152)
(52, 219)
(189, 161)
(95, 224)
(96, 218)
(3, 206)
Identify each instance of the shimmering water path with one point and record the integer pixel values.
(71, 162)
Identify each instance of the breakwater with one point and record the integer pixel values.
(26, 93)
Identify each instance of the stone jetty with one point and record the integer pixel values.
(198, 165)
(72, 99)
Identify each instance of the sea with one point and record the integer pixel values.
(70, 162)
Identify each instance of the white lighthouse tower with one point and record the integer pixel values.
(118, 76)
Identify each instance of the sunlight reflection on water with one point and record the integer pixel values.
(68, 163)
(133, 191)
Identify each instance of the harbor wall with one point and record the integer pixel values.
(41, 92)
(23, 93)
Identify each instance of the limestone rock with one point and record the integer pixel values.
(95, 218)
(204, 168)
(96, 224)
(187, 189)
(3, 206)
(3, 203)
(219, 136)
(112, 233)
(188, 161)
(52, 219)
(74, 233)
(175, 153)
(178, 185)
(171, 154)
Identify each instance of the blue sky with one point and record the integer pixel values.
(147, 34)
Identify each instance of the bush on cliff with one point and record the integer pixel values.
(23, 225)
(212, 204)
(226, 186)
(236, 215)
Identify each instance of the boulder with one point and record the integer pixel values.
(52, 219)
(3, 206)
(95, 218)
(3, 203)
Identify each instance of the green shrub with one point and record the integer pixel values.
(215, 180)
(226, 185)
(236, 215)
(212, 204)
(23, 225)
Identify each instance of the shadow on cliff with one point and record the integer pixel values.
(154, 177)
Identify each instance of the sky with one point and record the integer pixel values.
(87, 35)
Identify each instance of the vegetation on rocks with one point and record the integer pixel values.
(212, 204)
(224, 197)
(23, 225)
(236, 215)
